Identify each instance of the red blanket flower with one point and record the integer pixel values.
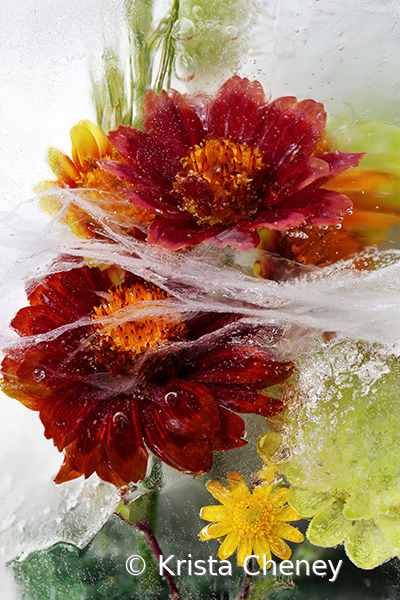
(215, 170)
(111, 380)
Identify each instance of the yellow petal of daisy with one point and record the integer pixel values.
(287, 514)
(279, 497)
(288, 532)
(103, 145)
(215, 530)
(219, 491)
(237, 484)
(62, 166)
(213, 513)
(279, 547)
(229, 545)
(244, 550)
(261, 547)
(84, 146)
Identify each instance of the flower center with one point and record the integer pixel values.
(93, 176)
(216, 183)
(123, 333)
(253, 516)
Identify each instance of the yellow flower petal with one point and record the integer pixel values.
(87, 144)
(213, 513)
(103, 145)
(261, 547)
(288, 532)
(287, 514)
(237, 484)
(215, 530)
(219, 491)
(62, 166)
(244, 550)
(229, 545)
(279, 496)
(279, 547)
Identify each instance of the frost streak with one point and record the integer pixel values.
(360, 304)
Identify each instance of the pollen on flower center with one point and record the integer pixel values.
(253, 516)
(95, 177)
(123, 334)
(216, 183)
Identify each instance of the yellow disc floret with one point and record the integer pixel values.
(125, 330)
(225, 170)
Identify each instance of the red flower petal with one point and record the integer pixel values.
(162, 207)
(168, 117)
(183, 453)
(231, 433)
(246, 401)
(340, 161)
(189, 408)
(234, 112)
(125, 448)
(19, 388)
(72, 294)
(168, 235)
(148, 164)
(296, 178)
(64, 414)
(277, 218)
(295, 133)
(241, 364)
(34, 320)
(67, 473)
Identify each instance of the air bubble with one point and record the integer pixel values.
(39, 375)
(184, 67)
(171, 398)
(197, 10)
(120, 420)
(183, 29)
(233, 32)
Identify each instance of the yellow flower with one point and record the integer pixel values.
(253, 522)
(89, 145)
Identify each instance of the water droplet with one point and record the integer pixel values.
(120, 420)
(184, 67)
(338, 226)
(233, 32)
(324, 525)
(39, 375)
(197, 10)
(171, 398)
(183, 29)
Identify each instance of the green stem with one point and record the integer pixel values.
(145, 528)
(168, 51)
